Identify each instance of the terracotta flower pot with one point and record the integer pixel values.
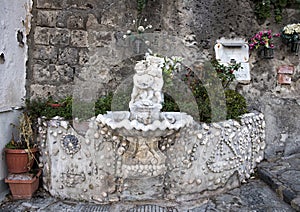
(22, 186)
(17, 160)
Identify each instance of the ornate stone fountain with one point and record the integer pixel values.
(145, 125)
(146, 154)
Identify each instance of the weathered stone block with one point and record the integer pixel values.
(99, 38)
(46, 18)
(65, 73)
(38, 91)
(83, 56)
(143, 188)
(296, 203)
(41, 72)
(79, 38)
(282, 121)
(60, 37)
(41, 35)
(45, 53)
(54, 4)
(75, 21)
(68, 55)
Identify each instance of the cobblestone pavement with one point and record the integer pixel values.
(282, 175)
(252, 196)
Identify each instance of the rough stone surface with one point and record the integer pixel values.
(283, 176)
(252, 196)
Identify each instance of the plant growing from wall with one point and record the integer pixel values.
(263, 8)
(226, 73)
(44, 107)
(141, 4)
(235, 103)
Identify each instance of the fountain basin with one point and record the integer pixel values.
(200, 160)
(167, 123)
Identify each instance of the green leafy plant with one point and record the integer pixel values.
(236, 104)
(141, 4)
(103, 104)
(67, 107)
(226, 73)
(170, 66)
(169, 104)
(263, 8)
(44, 107)
(171, 69)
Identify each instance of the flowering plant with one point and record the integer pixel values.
(139, 28)
(263, 38)
(291, 32)
(226, 72)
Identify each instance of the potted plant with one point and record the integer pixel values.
(20, 156)
(264, 40)
(291, 35)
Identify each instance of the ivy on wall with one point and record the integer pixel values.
(264, 8)
(141, 4)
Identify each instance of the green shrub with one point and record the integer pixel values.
(103, 104)
(236, 104)
(41, 107)
(263, 8)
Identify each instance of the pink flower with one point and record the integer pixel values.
(269, 36)
(272, 45)
(277, 35)
(251, 45)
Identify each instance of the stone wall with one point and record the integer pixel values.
(73, 43)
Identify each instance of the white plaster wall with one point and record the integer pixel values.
(15, 16)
